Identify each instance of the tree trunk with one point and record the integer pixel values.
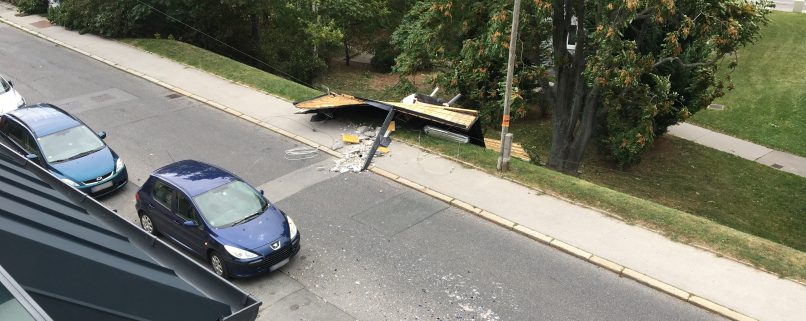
(346, 52)
(574, 103)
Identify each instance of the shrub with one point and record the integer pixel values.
(31, 6)
(106, 18)
(384, 58)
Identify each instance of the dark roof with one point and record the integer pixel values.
(80, 261)
(194, 177)
(44, 119)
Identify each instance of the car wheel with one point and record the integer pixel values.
(218, 265)
(148, 224)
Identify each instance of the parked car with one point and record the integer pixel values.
(10, 99)
(65, 146)
(217, 216)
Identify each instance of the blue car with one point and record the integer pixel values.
(66, 147)
(217, 216)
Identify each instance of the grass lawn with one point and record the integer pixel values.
(225, 67)
(688, 192)
(768, 106)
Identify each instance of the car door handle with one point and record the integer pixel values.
(150, 205)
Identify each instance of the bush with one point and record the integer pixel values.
(106, 18)
(384, 58)
(31, 6)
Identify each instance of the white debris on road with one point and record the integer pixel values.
(355, 155)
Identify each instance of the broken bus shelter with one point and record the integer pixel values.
(427, 108)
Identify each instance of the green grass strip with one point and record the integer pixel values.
(225, 67)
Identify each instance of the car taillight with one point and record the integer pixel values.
(137, 197)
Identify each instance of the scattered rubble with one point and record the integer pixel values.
(355, 147)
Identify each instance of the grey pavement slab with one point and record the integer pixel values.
(785, 162)
(400, 213)
(293, 182)
(734, 285)
(776, 159)
(785, 5)
(303, 305)
(719, 141)
(271, 288)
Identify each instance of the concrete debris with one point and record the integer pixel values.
(355, 155)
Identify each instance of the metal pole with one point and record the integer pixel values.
(503, 163)
(378, 138)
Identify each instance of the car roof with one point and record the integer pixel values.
(44, 119)
(194, 177)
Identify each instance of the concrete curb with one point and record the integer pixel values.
(489, 216)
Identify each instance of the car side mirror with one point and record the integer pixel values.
(102, 134)
(32, 157)
(10, 84)
(190, 224)
(261, 192)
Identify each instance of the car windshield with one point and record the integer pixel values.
(69, 144)
(4, 86)
(230, 204)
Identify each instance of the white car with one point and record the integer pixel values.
(10, 99)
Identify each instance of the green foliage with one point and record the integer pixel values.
(109, 18)
(648, 64)
(225, 67)
(659, 64)
(384, 58)
(358, 20)
(474, 65)
(31, 6)
(283, 37)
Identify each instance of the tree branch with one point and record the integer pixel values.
(685, 65)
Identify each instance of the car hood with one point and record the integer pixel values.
(89, 167)
(9, 100)
(257, 232)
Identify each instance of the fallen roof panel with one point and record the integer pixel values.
(450, 116)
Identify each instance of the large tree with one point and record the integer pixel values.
(637, 66)
(358, 20)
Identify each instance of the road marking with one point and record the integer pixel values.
(294, 182)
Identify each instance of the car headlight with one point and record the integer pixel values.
(119, 165)
(239, 253)
(292, 228)
(69, 182)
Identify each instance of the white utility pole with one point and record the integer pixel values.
(503, 160)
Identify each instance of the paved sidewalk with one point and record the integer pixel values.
(776, 159)
(784, 5)
(728, 283)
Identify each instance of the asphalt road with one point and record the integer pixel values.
(371, 249)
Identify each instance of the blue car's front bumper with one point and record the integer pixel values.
(263, 264)
(118, 180)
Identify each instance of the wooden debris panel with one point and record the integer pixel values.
(517, 150)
